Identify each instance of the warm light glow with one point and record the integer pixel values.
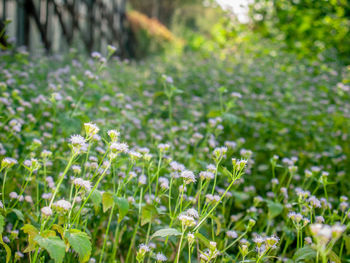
(239, 8)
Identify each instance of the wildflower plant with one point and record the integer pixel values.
(192, 159)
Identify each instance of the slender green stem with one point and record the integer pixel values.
(62, 178)
(93, 189)
(209, 213)
(106, 234)
(180, 244)
(3, 190)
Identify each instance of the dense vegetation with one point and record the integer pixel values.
(238, 155)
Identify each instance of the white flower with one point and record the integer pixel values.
(164, 182)
(91, 129)
(192, 212)
(62, 205)
(78, 143)
(46, 211)
(144, 248)
(13, 195)
(119, 147)
(135, 155)
(32, 164)
(187, 220)
(142, 179)
(114, 135)
(85, 184)
(177, 167)
(46, 154)
(188, 176)
(8, 162)
(211, 168)
(76, 169)
(77, 140)
(163, 147)
(111, 49)
(160, 257)
(206, 175)
(28, 199)
(232, 234)
(219, 152)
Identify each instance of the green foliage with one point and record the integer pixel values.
(166, 232)
(169, 134)
(53, 245)
(107, 201)
(123, 207)
(81, 244)
(305, 254)
(306, 26)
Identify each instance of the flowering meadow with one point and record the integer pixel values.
(235, 157)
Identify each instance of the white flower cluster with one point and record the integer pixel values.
(187, 221)
(91, 129)
(78, 143)
(188, 176)
(8, 162)
(62, 205)
(84, 184)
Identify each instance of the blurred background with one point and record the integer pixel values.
(140, 28)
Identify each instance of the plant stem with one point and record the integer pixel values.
(3, 190)
(62, 178)
(106, 234)
(208, 214)
(180, 244)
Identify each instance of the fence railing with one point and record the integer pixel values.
(58, 24)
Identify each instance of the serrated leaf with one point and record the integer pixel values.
(53, 245)
(96, 199)
(166, 232)
(59, 229)
(304, 253)
(19, 214)
(32, 232)
(80, 242)
(123, 207)
(274, 208)
(147, 214)
(7, 249)
(107, 201)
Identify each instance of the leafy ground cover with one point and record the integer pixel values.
(235, 158)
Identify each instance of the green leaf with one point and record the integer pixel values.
(230, 118)
(19, 214)
(96, 199)
(53, 245)
(347, 243)
(147, 214)
(274, 208)
(166, 232)
(107, 201)
(304, 253)
(2, 223)
(7, 248)
(202, 238)
(123, 207)
(334, 257)
(80, 242)
(32, 232)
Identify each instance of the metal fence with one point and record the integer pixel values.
(59, 24)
